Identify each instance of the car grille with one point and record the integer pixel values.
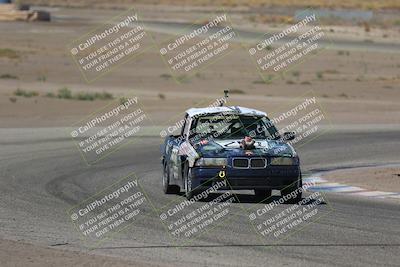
(257, 163)
(249, 163)
(241, 163)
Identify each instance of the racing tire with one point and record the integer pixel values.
(262, 194)
(187, 182)
(167, 188)
(294, 188)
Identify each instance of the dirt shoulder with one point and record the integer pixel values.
(353, 87)
(365, 4)
(14, 253)
(372, 178)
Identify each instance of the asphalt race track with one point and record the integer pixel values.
(42, 175)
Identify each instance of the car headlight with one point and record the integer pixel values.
(285, 161)
(211, 162)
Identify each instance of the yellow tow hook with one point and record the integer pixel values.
(222, 174)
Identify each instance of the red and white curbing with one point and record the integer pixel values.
(321, 185)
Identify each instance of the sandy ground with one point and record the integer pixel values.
(357, 86)
(377, 178)
(255, 4)
(24, 254)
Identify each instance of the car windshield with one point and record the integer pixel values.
(233, 126)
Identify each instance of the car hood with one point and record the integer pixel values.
(231, 148)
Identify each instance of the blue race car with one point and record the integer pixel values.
(238, 145)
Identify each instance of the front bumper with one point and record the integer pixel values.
(271, 177)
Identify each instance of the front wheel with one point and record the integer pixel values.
(295, 192)
(187, 181)
(167, 188)
(262, 194)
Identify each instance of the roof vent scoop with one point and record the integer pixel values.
(226, 95)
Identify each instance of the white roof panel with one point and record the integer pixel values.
(234, 109)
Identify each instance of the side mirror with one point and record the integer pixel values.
(287, 136)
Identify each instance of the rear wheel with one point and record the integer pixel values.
(167, 188)
(262, 194)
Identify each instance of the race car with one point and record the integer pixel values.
(236, 144)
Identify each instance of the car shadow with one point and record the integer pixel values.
(252, 199)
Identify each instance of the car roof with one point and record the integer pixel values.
(233, 109)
